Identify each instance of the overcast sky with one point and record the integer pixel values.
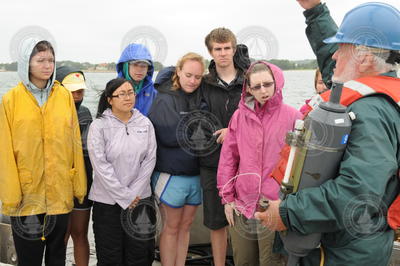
(95, 30)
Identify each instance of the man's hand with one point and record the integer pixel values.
(134, 203)
(271, 218)
(229, 210)
(221, 132)
(308, 4)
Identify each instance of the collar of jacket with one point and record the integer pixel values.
(108, 113)
(212, 77)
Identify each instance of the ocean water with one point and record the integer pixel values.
(299, 86)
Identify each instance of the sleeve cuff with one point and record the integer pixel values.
(80, 199)
(284, 214)
(126, 201)
(227, 199)
(9, 209)
(312, 13)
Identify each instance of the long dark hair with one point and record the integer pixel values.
(111, 86)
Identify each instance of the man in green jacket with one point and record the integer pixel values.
(350, 209)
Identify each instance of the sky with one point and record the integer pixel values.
(96, 31)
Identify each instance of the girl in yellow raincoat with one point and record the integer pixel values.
(41, 165)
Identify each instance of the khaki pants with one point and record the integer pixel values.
(252, 244)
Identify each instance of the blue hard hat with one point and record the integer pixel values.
(371, 24)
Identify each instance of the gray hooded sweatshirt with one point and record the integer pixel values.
(24, 55)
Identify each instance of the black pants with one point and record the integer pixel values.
(124, 237)
(27, 232)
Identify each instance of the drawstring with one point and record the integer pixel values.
(43, 238)
(322, 256)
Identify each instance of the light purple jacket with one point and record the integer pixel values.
(251, 149)
(123, 158)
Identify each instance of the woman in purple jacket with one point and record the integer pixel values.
(122, 149)
(256, 134)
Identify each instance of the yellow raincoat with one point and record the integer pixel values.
(41, 160)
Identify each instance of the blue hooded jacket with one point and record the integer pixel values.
(145, 97)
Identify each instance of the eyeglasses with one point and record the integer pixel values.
(264, 84)
(123, 95)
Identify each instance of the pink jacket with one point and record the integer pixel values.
(251, 149)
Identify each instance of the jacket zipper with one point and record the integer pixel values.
(126, 128)
(262, 160)
(44, 156)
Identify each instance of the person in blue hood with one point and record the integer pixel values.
(135, 64)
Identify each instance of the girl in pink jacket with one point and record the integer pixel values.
(249, 153)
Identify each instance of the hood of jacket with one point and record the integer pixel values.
(109, 115)
(24, 56)
(248, 101)
(241, 58)
(136, 52)
(164, 75)
(63, 71)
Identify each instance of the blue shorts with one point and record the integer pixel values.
(177, 191)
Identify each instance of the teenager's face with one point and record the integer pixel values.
(78, 95)
(222, 53)
(262, 86)
(190, 75)
(138, 71)
(41, 66)
(123, 98)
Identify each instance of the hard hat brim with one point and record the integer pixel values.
(332, 39)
